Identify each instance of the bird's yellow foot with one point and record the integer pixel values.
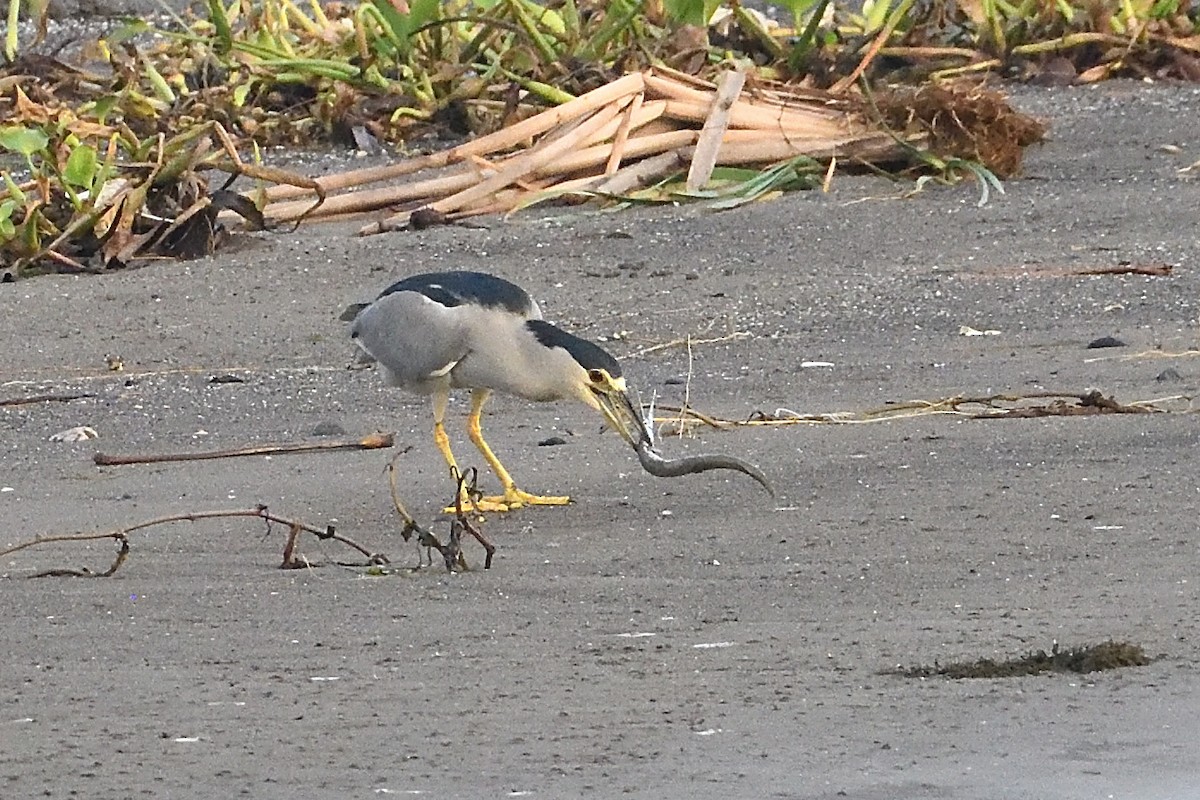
(512, 499)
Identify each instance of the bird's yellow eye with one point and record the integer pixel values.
(597, 376)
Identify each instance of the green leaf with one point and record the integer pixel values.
(421, 12)
(14, 191)
(81, 167)
(807, 41)
(220, 21)
(6, 211)
(240, 92)
(876, 13)
(25, 141)
(130, 29)
(692, 12)
(101, 107)
(10, 36)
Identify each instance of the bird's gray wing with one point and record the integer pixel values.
(413, 337)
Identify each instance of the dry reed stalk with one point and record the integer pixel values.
(503, 139)
(372, 199)
(487, 167)
(682, 77)
(626, 179)
(776, 118)
(642, 115)
(507, 199)
(530, 161)
(401, 220)
(771, 94)
(622, 134)
(747, 113)
(566, 188)
(709, 142)
(636, 147)
(513, 169)
(769, 150)
(644, 172)
(660, 125)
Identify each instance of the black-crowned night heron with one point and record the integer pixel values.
(469, 330)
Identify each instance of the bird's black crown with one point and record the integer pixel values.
(588, 355)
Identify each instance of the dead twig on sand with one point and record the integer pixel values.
(121, 535)
(990, 407)
(374, 441)
(1151, 270)
(1145, 354)
(411, 526)
(688, 342)
(463, 523)
(84, 572)
(451, 551)
(996, 406)
(46, 398)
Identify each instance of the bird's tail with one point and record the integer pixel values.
(352, 311)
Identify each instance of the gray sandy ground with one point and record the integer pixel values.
(666, 639)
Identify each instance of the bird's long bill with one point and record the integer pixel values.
(623, 417)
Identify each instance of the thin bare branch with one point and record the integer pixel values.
(374, 441)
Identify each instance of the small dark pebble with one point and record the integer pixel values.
(423, 218)
(328, 429)
(674, 381)
(552, 441)
(227, 378)
(1105, 341)
(1170, 374)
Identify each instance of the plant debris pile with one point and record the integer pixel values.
(964, 120)
(1065, 42)
(1083, 660)
(665, 136)
(105, 147)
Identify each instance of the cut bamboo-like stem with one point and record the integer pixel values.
(503, 139)
(514, 169)
(746, 150)
(526, 163)
(622, 134)
(667, 73)
(371, 199)
(711, 136)
(637, 147)
(655, 127)
(644, 172)
(745, 115)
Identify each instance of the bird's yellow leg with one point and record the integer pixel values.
(440, 399)
(442, 440)
(512, 497)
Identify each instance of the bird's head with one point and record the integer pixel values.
(597, 381)
(608, 394)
